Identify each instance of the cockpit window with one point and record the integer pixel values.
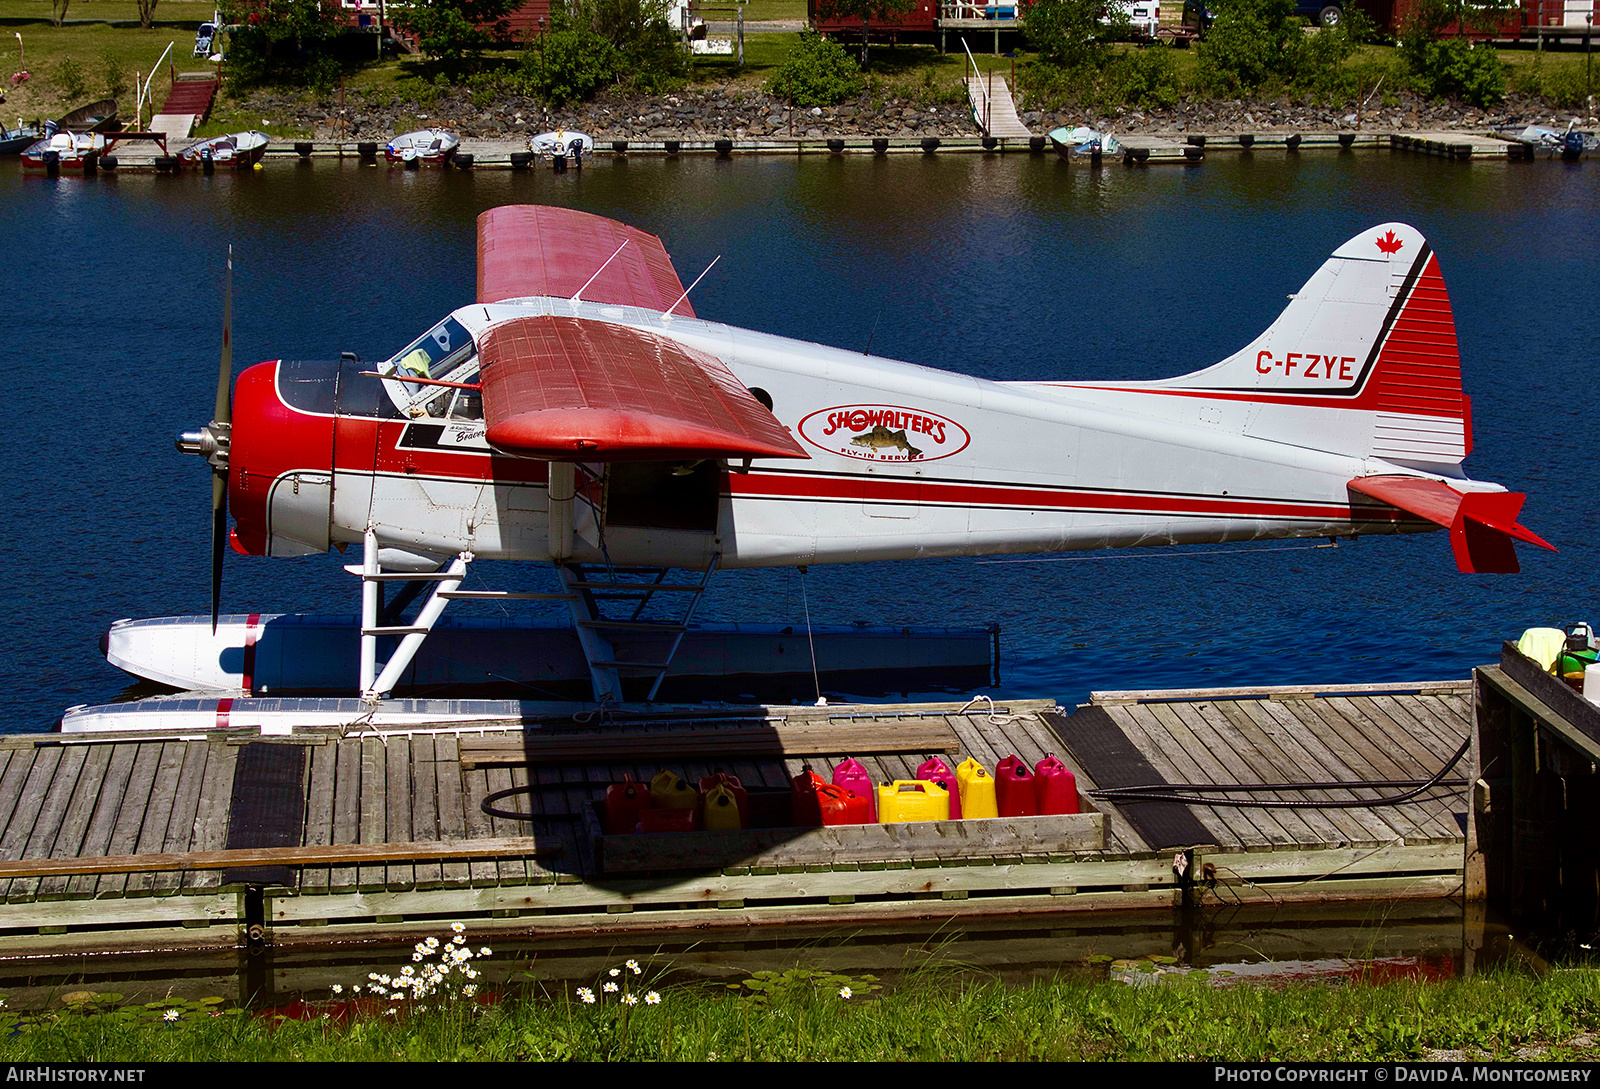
(436, 352)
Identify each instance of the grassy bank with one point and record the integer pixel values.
(935, 1015)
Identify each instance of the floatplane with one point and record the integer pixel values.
(579, 414)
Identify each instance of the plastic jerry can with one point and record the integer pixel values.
(668, 820)
(912, 800)
(852, 775)
(1055, 788)
(741, 797)
(624, 802)
(669, 791)
(937, 771)
(803, 797)
(839, 805)
(977, 790)
(1013, 789)
(721, 810)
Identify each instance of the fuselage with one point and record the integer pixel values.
(905, 461)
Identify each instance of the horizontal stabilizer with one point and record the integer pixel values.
(1481, 524)
(568, 389)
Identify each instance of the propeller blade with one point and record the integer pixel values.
(224, 410)
(219, 476)
(219, 538)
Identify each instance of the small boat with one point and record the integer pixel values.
(429, 147)
(1083, 142)
(1568, 141)
(15, 140)
(68, 152)
(95, 117)
(237, 151)
(562, 144)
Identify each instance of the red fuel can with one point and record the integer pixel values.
(1054, 786)
(1013, 789)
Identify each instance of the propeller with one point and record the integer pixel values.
(211, 442)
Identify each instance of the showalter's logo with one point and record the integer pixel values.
(884, 433)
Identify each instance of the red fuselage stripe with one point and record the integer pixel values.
(925, 493)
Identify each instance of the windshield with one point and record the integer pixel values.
(436, 352)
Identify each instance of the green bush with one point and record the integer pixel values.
(594, 44)
(1068, 33)
(1252, 44)
(69, 77)
(570, 63)
(1453, 68)
(113, 75)
(454, 32)
(817, 72)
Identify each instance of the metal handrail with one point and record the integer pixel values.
(987, 103)
(143, 93)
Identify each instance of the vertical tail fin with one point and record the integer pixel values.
(1363, 360)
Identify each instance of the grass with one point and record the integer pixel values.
(932, 1015)
(97, 49)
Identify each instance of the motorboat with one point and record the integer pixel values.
(1083, 142)
(236, 151)
(427, 147)
(95, 117)
(562, 143)
(13, 141)
(67, 152)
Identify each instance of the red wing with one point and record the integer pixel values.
(1481, 524)
(556, 387)
(530, 249)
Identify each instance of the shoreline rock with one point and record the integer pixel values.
(706, 114)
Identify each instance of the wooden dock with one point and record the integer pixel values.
(109, 842)
(1137, 149)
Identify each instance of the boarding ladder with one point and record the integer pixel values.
(611, 604)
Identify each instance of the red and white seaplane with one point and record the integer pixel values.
(579, 414)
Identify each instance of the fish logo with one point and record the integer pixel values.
(884, 433)
(881, 438)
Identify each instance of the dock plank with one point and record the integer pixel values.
(425, 807)
(1354, 825)
(179, 831)
(52, 810)
(1304, 826)
(452, 820)
(1409, 819)
(210, 831)
(69, 841)
(372, 797)
(158, 812)
(1337, 756)
(135, 801)
(474, 788)
(348, 768)
(1168, 733)
(398, 794)
(1174, 765)
(97, 838)
(319, 812)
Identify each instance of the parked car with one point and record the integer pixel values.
(1328, 13)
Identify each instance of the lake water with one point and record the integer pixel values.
(1006, 267)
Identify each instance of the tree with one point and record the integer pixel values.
(454, 32)
(1451, 65)
(866, 11)
(1252, 43)
(147, 13)
(271, 38)
(58, 11)
(1069, 33)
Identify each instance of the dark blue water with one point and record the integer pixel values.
(1010, 267)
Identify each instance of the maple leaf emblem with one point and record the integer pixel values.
(1389, 243)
